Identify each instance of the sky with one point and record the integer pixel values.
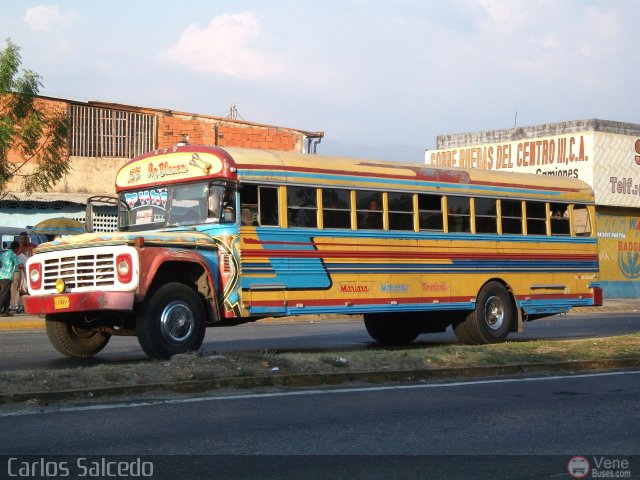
(380, 78)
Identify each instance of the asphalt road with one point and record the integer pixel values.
(520, 428)
(26, 350)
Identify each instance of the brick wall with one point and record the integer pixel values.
(211, 131)
(48, 107)
(96, 175)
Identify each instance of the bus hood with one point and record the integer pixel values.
(177, 238)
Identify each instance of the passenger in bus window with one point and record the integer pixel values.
(373, 218)
(228, 213)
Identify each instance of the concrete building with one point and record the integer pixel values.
(605, 154)
(104, 136)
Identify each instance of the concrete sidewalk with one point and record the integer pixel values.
(25, 322)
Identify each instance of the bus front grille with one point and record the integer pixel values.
(89, 270)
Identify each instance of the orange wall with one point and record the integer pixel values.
(47, 106)
(207, 131)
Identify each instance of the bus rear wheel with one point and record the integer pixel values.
(72, 336)
(401, 331)
(171, 321)
(492, 318)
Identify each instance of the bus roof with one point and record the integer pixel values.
(186, 163)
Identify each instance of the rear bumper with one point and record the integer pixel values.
(78, 302)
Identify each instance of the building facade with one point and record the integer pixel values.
(104, 136)
(605, 154)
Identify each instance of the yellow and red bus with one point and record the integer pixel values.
(210, 236)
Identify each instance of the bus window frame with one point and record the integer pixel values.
(323, 208)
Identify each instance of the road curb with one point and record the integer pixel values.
(21, 325)
(316, 380)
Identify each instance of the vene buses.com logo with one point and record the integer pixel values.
(578, 467)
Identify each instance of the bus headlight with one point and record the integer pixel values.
(35, 276)
(124, 267)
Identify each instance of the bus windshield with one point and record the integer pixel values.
(177, 205)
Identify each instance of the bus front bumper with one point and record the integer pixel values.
(78, 302)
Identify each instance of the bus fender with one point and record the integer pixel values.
(152, 261)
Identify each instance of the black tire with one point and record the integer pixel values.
(492, 318)
(391, 332)
(70, 337)
(171, 321)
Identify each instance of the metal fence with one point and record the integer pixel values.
(103, 132)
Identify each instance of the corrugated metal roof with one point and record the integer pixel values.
(79, 198)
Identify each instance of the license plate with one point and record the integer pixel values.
(61, 302)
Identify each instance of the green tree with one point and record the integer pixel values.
(35, 135)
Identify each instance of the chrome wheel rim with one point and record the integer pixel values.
(494, 313)
(176, 322)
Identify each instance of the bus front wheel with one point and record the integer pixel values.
(492, 318)
(73, 336)
(171, 321)
(391, 332)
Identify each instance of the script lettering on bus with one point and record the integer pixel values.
(134, 175)
(144, 216)
(394, 288)
(355, 288)
(155, 197)
(164, 169)
(434, 287)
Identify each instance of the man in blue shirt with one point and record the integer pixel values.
(8, 264)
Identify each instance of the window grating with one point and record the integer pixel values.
(102, 132)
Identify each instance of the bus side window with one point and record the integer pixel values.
(268, 205)
(400, 211)
(486, 215)
(560, 219)
(511, 217)
(302, 208)
(581, 221)
(459, 214)
(430, 212)
(369, 210)
(336, 208)
(536, 218)
(249, 204)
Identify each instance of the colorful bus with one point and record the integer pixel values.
(210, 236)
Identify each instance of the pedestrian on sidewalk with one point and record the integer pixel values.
(25, 250)
(25, 247)
(8, 264)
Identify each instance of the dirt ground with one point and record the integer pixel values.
(210, 366)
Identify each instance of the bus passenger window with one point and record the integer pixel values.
(486, 215)
(302, 207)
(336, 208)
(459, 214)
(536, 218)
(430, 211)
(249, 205)
(400, 211)
(229, 206)
(511, 217)
(369, 210)
(581, 221)
(560, 219)
(268, 205)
